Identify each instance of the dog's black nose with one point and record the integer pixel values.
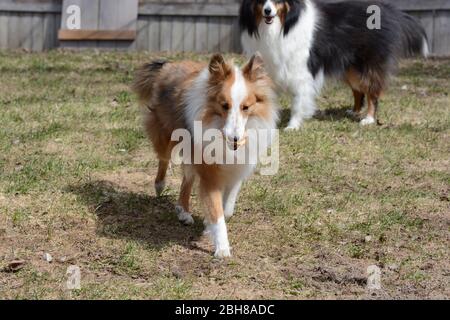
(236, 139)
(267, 11)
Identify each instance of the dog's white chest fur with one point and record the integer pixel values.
(286, 58)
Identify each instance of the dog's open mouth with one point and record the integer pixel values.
(268, 19)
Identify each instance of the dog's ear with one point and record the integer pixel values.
(254, 69)
(294, 8)
(218, 68)
(247, 21)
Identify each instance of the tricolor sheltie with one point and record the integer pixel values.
(220, 96)
(304, 41)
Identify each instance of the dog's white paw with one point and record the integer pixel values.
(290, 128)
(228, 214)
(183, 216)
(222, 253)
(159, 188)
(218, 233)
(367, 121)
(294, 124)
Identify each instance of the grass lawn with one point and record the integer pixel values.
(76, 181)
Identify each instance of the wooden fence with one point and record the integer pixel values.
(189, 27)
(179, 25)
(31, 25)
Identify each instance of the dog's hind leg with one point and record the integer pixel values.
(353, 79)
(359, 102)
(182, 208)
(160, 181)
(372, 107)
(374, 84)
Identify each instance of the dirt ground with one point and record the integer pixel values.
(77, 175)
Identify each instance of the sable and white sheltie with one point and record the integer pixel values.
(218, 95)
(304, 41)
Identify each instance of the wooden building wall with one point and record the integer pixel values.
(31, 25)
(181, 25)
(201, 26)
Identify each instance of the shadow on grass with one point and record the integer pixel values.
(285, 115)
(335, 114)
(124, 214)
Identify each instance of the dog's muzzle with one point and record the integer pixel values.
(234, 145)
(269, 19)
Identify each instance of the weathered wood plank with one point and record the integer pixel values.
(127, 20)
(177, 34)
(221, 8)
(97, 34)
(44, 6)
(108, 15)
(51, 23)
(4, 16)
(441, 33)
(48, 26)
(154, 34)
(201, 34)
(14, 37)
(165, 37)
(226, 33)
(143, 26)
(189, 34)
(120, 16)
(188, 9)
(200, 9)
(56, 21)
(107, 19)
(90, 16)
(413, 5)
(232, 9)
(25, 31)
(38, 36)
(115, 14)
(237, 47)
(213, 34)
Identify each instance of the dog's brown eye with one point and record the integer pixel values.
(225, 106)
(245, 108)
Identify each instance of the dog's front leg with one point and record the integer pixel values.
(303, 104)
(229, 199)
(215, 222)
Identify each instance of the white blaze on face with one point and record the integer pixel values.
(269, 9)
(236, 122)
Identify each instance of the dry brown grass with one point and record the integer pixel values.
(76, 182)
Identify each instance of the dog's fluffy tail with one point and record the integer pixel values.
(413, 37)
(144, 80)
